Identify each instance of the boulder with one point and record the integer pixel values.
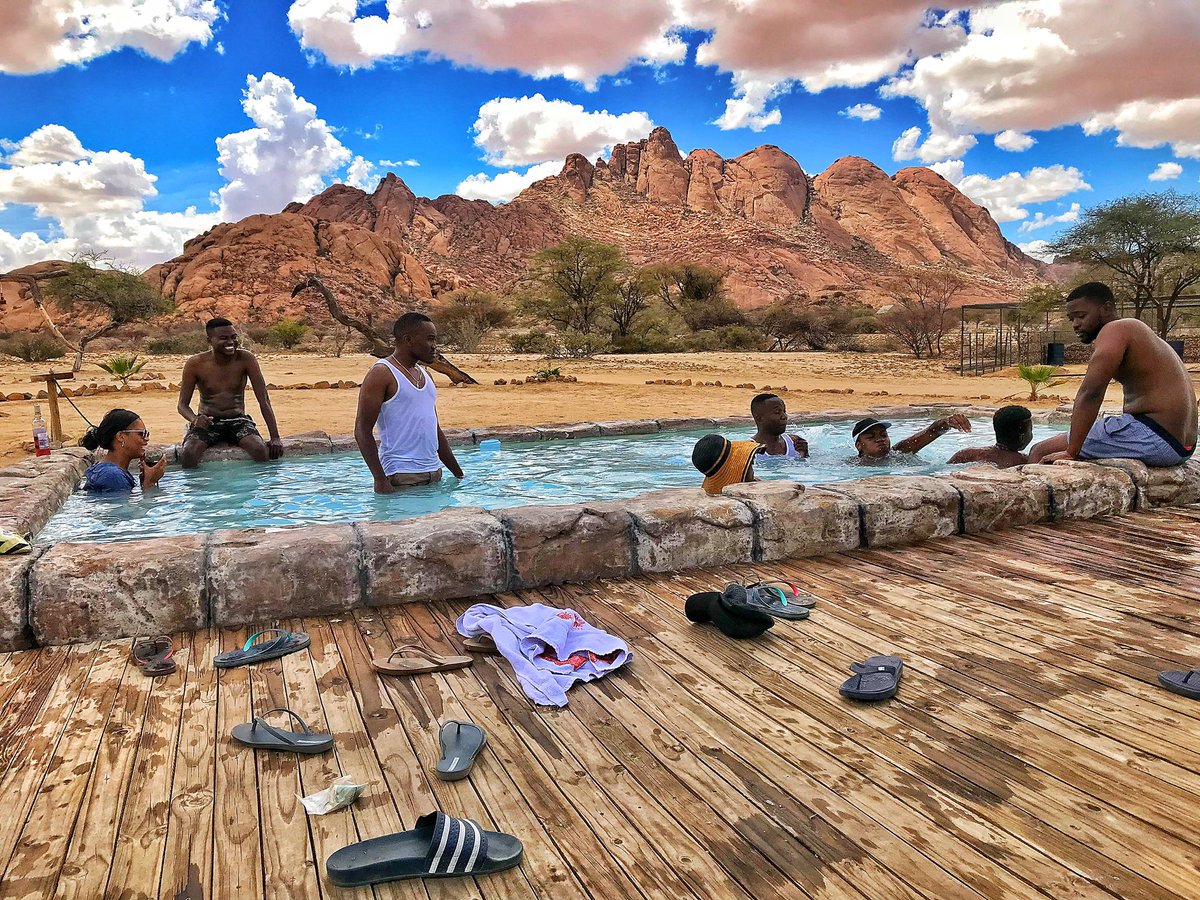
(683, 423)
(993, 499)
(733, 422)
(306, 444)
(257, 575)
(566, 431)
(902, 509)
(343, 443)
(32, 501)
(793, 521)
(14, 618)
(507, 433)
(444, 555)
(628, 426)
(86, 592)
(1172, 486)
(580, 542)
(684, 528)
(1081, 490)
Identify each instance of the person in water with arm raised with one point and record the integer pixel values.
(222, 374)
(399, 396)
(871, 439)
(1158, 421)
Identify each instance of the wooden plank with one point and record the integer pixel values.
(237, 853)
(23, 715)
(41, 851)
(187, 861)
(289, 867)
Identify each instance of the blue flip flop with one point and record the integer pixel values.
(1186, 684)
(286, 642)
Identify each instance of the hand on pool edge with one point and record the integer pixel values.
(384, 486)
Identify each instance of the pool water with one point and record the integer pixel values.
(337, 488)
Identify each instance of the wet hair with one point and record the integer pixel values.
(408, 322)
(1008, 423)
(1095, 291)
(110, 426)
(760, 401)
(218, 322)
(708, 451)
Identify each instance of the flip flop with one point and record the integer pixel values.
(287, 642)
(462, 743)
(154, 655)
(424, 661)
(780, 599)
(1186, 684)
(481, 644)
(439, 847)
(876, 678)
(261, 736)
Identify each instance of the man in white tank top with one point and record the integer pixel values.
(398, 395)
(771, 418)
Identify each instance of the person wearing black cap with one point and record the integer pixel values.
(1014, 430)
(872, 442)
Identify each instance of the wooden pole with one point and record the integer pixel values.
(52, 379)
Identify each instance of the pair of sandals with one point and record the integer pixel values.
(748, 610)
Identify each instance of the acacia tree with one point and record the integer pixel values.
(696, 294)
(919, 318)
(465, 317)
(115, 295)
(630, 298)
(574, 283)
(1150, 242)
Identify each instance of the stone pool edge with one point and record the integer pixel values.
(86, 591)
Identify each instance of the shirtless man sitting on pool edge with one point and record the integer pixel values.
(1158, 420)
(221, 374)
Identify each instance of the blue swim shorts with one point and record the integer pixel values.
(1134, 436)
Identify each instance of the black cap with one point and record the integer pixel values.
(728, 611)
(864, 424)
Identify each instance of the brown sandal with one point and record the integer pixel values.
(481, 644)
(154, 655)
(422, 662)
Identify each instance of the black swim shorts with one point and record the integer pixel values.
(227, 430)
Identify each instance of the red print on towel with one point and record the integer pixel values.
(575, 660)
(573, 618)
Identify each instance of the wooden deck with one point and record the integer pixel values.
(1029, 753)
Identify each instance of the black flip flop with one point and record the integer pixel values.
(1186, 684)
(439, 847)
(287, 642)
(154, 656)
(876, 678)
(780, 599)
(261, 736)
(461, 745)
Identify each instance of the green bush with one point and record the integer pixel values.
(184, 343)
(539, 342)
(286, 333)
(123, 367)
(36, 346)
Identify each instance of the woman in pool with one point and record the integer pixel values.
(125, 437)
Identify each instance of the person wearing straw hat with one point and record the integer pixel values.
(871, 440)
(723, 462)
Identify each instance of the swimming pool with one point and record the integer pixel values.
(336, 488)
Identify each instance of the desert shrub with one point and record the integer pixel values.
(464, 318)
(534, 341)
(646, 342)
(33, 347)
(577, 345)
(186, 342)
(285, 333)
(738, 337)
(701, 341)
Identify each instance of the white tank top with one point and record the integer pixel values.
(408, 425)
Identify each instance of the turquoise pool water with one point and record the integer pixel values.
(334, 488)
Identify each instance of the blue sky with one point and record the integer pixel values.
(147, 121)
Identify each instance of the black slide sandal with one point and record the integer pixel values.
(287, 642)
(462, 743)
(1186, 684)
(877, 678)
(261, 736)
(439, 847)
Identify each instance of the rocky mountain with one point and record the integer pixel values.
(775, 230)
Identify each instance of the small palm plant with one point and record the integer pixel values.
(123, 367)
(547, 374)
(1038, 378)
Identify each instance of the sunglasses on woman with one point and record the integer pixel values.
(145, 432)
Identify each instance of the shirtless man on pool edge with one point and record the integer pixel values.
(1158, 420)
(221, 374)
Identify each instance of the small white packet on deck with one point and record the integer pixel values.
(340, 793)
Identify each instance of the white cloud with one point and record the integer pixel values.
(505, 185)
(1041, 220)
(1038, 250)
(220, 48)
(43, 35)
(1038, 64)
(867, 112)
(397, 163)
(286, 156)
(1005, 197)
(936, 148)
(1166, 171)
(514, 131)
(361, 174)
(95, 201)
(747, 108)
(1013, 141)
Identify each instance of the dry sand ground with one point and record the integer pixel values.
(609, 387)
